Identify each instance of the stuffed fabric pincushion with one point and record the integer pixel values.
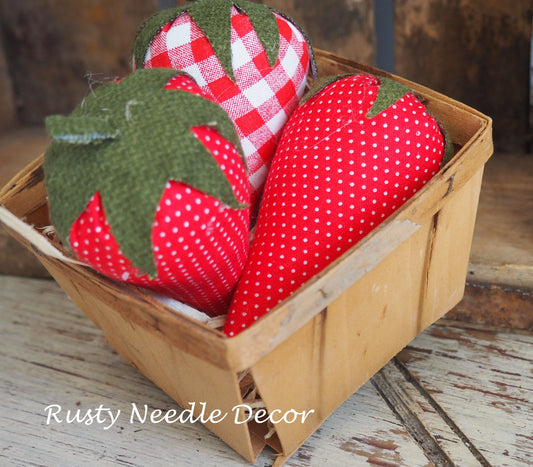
(248, 58)
(147, 184)
(350, 155)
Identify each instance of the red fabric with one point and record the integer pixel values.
(260, 100)
(336, 175)
(199, 244)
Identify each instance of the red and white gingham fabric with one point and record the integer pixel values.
(261, 99)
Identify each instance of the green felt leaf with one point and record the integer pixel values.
(85, 130)
(389, 93)
(155, 145)
(265, 26)
(149, 29)
(213, 17)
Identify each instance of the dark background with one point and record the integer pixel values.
(476, 51)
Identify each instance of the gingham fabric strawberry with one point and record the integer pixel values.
(250, 59)
(146, 183)
(350, 156)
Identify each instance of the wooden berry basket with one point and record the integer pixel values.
(319, 346)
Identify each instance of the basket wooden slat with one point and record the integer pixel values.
(321, 344)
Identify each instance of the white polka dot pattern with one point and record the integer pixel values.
(335, 176)
(199, 244)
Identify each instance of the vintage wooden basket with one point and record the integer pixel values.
(320, 345)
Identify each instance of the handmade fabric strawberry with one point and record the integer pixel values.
(350, 155)
(250, 59)
(146, 183)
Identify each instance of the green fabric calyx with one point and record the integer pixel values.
(126, 140)
(213, 17)
(390, 92)
(80, 130)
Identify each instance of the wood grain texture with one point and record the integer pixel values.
(344, 27)
(483, 380)
(468, 392)
(52, 354)
(343, 347)
(425, 420)
(57, 50)
(471, 131)
(502, 252)
(476, 51)
(496, 307)
(420, 234)
(363, 431)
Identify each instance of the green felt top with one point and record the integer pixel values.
(213, 17)
(126, 140)
(390, 91)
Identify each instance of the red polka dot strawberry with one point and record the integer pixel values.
(250, 59)
(350, 155)
(147, 184)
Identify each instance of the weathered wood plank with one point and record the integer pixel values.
(476, 51)
(502, 250)
(483, 380)
(52, 354)
(427, 423)
(362, 431)
(495, 307)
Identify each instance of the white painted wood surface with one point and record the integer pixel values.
(468, 392)
(484, 382)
